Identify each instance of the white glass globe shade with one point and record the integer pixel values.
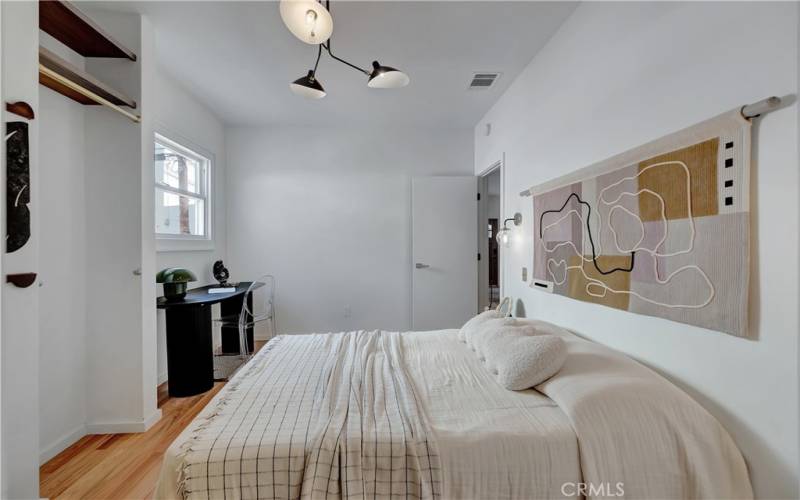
(308, 20)
(504, 238)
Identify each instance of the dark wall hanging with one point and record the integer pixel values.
(18, 193)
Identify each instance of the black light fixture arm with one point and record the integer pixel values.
(330, 53)
(319, 54)
(328, 48)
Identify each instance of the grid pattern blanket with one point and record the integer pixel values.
(334, 415)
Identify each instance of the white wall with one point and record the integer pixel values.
(62, 267)
(182, 118)
(327, 211)
(619, 75)
(20, 331)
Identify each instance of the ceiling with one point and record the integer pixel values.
(238, 58)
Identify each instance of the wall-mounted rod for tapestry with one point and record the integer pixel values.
(86, 92)
(749, 111)
(761, 107)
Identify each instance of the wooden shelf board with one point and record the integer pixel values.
(64, 90)
(64, 22)
(76, 75)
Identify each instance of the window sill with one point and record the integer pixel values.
(180, 245)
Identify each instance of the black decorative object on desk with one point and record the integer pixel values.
(221, 273)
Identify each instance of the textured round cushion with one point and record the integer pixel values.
(522, 362)
(471, 326)
(487, 327)
(492, 332)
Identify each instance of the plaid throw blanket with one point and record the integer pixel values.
(316, 416)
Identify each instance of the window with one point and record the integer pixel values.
(182, 192)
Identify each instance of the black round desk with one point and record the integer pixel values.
(190, 350)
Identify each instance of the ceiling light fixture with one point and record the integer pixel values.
(384, 77)
(308, 86)
(309, 21)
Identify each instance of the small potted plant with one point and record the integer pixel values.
(175, 280)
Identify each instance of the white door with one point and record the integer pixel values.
(444, 251)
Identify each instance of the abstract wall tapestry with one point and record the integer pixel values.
(661, 230)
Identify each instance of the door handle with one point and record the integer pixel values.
(420, 265)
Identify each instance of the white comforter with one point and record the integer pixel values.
(638, 430)
(367, 414)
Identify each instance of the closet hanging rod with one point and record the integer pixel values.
(88, 93)
(749, 111)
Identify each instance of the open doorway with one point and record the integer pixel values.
(489, 202)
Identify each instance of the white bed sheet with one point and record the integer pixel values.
(493, 443)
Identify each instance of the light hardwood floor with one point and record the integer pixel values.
(121, 466)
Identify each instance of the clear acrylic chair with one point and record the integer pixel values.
(257, 315)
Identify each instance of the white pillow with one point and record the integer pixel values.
(525, 361)
(492, 331)
(487, 327)
(473, 324)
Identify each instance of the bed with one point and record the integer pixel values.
(416, 415)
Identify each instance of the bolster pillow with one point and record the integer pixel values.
(472, 326)
(524, 361)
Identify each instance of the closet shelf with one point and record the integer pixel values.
(59, 75)
(64, 22)
(57, 65)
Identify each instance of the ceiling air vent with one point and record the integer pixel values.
(483, 80)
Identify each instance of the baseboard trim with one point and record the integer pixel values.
(123, 427)
(152, 419)
(62, 444)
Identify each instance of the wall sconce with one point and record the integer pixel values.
(504, 235)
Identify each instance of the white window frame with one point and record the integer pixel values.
(186, 242)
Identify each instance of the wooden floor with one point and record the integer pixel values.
(121, 466)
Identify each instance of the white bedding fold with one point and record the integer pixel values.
(637, 429)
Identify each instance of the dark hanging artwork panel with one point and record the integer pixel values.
(18, 193)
